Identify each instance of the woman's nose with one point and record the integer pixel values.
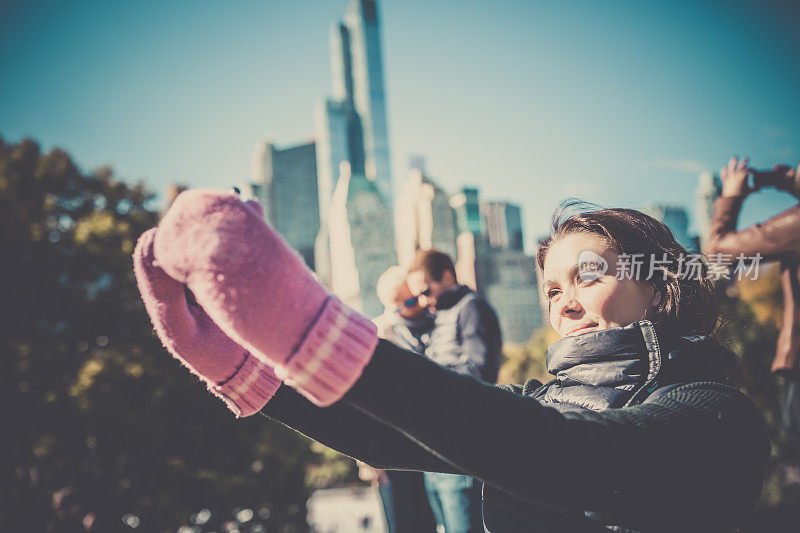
(570, 304)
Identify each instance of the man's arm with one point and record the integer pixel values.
(696, 453)
(776, 236)
(480, 341)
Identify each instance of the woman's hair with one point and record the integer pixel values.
(687, 305)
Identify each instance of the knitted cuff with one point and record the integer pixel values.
(249, 389)
(332, 355)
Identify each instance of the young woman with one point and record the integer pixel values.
(642, 429)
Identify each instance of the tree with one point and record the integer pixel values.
(91, 398)
(751, 316)
(527, 361)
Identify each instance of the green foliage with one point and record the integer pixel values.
(750, 311)
(90, 397)
(527, 361)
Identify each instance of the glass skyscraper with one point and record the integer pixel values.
(284, 180)
(503, 224)
(357, 112)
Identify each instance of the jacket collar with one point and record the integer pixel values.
(451, 297)
(621, 366)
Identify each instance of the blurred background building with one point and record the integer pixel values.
(503, 224)
(284, 181)
(676, 218)
(361, 236)
(709, 188)
(424, 218)
(332, 199)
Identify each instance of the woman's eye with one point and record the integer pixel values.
(552, 293)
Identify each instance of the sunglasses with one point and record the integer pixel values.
(411, 302)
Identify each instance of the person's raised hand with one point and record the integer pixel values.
(229, 371)
(261, 294)
(734, 178)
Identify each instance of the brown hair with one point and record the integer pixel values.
(687, 305)
(434, 263)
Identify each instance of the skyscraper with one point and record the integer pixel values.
(330, 119)
(507, 278)
(369, 95)
(503, 224)
(284, 181)
(358, 117)
(677, 220)
(502, 273)
(470, 242)
(352, 133)
(424, 218)
(708, 190)
(361, 236)
(468, 210)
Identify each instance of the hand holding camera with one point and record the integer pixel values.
(782, 177)
(740, 180)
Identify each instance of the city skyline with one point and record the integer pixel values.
(617, 104)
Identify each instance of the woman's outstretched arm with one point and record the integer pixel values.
(354, 433)
(695, 453)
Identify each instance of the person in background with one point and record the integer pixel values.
(466, 339)
(775, 239)
(406, 323)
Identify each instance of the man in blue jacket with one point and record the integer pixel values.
(466, 339)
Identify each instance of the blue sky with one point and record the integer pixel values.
(620, 103)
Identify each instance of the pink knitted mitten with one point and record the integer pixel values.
(243, 382)
(259, 291)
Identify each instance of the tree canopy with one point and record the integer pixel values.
(94, 401)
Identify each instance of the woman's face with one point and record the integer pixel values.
(583, 295)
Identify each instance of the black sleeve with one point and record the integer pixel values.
(696, 453)
(353, 433)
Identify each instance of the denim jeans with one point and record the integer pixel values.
(455, 502)
(405, 503)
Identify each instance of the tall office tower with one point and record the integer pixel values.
(708, 190)
(503, 222)
(467, 207)
(506, 276)
(677, 220)
(330, 119)
(369, 96)
(423, 218)
(469, 235)
(357, 74)
(503, 274)
(361, 232)
(508, 281)
(351, 128)
(285, 183)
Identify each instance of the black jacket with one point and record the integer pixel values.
(687, 456)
